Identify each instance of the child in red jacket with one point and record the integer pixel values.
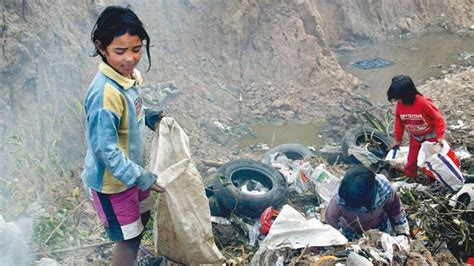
(416, 114)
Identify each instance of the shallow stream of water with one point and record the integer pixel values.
(420, 57)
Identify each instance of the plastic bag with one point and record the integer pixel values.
(441, 163)
(303, 171)
(397, 158)
(291, 230)
(296, 172)
(363, 155)
(183, 230)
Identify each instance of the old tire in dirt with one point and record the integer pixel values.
(360, 136)
(292, 151)
(247, 187)
(357, 104)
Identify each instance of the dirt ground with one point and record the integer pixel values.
(454, 95)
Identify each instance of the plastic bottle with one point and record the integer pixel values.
(326, 184)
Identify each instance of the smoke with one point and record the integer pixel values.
(13, 247)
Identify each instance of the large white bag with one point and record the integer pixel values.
(435, 158)
(183, 230)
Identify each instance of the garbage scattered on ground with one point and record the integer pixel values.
(326, 184)
(259, 147)
(460, 125)
(266, 220)
(435, 226)
(363, 155)
(302, 177)
(383, 249)
(220, 220)
(435, 223)
(292, 230)
(462, 153)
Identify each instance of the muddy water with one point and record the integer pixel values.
(273, 135)
(420, 57)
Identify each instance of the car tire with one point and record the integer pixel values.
(292, 151)
(357, 137)
(362, 104)
(233, 175)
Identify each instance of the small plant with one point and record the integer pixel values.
(383, 124)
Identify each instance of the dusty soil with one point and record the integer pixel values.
(454, 95)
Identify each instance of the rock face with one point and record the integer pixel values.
(230, 62)
(362, 20)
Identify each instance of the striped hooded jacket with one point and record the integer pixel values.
(115, 134)
(386, 207)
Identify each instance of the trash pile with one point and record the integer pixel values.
(293, 231)
(435, 222)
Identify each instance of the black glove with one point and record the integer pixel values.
(152, 117)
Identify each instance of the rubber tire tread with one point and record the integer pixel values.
(287, 149)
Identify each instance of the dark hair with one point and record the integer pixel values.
(403, 88)
(358, 187)
(115, 21)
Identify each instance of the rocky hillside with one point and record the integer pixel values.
(212, 61)
(349, 22)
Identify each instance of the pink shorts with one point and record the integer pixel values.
(120, 212)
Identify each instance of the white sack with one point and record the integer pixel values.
(183, 230)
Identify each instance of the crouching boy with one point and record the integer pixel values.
(366, 201)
